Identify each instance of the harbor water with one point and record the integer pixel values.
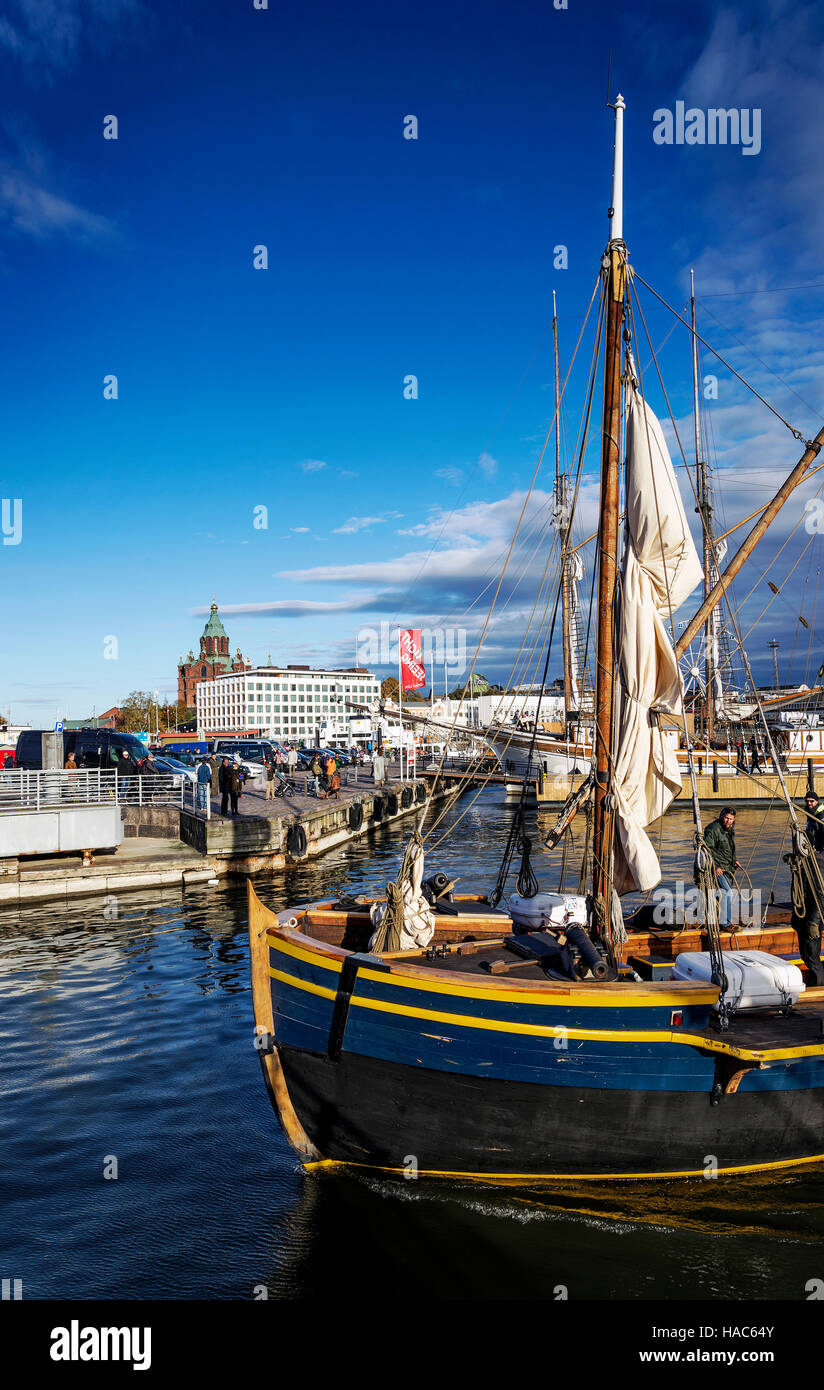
(140, 1157)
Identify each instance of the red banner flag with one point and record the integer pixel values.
(413, 671)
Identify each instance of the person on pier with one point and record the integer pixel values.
(204, 783)
(125, 769)
(225, 787)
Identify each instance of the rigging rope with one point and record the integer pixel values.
(518, 526)
(793, 431)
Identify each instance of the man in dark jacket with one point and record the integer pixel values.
(224, 787)
(720, 841)
(815, 820)
(214, 768)
(235, 785)
(126, 770)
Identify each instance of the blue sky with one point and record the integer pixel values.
(387, 257)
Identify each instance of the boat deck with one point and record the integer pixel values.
(766, 1029)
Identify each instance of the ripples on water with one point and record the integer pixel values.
(130, 1038)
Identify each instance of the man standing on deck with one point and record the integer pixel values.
(720, 841)
(815, 820)
(740, 757)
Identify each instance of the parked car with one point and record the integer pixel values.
(252, 750)
(172, 766)
(252, 771)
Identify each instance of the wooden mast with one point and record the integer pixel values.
(789, 485)
(615, 276)
(705, 512)
(561, 504)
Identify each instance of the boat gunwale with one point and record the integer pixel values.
(692, 991)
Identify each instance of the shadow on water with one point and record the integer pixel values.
(127, 1032)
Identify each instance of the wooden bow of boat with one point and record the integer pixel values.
(260, 918)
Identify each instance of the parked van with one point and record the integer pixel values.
(91, 747)
(29, 751)
(256, 750)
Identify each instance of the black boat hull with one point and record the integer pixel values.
(365, 1111)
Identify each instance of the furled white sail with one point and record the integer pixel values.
(661, 568)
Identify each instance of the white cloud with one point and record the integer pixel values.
(47, 36)
(358, 523)
(29, 207)
(488, 465)
(453, 476)
(312, 465)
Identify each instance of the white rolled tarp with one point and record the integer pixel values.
(418, 926)
(661, 568)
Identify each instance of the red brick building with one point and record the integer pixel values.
(214, 660)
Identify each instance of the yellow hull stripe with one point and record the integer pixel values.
(570, 1177)
(592, 996)
(538, 1030)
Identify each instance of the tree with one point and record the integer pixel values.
(140, 713)
(389, 691)
(137, 711)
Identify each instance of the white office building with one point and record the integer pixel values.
(483, 710)
(291, 704)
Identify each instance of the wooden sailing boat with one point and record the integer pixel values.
(499, 1047)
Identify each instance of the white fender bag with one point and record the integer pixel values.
(755, 979)
(555, 910)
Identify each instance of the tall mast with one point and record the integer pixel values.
(615, 277)
(705, 512)
(561, 504)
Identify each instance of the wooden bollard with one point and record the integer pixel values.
(715, 774)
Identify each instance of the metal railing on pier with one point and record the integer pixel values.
(22, 789)
(196, 797)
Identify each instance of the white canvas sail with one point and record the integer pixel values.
(661, 568)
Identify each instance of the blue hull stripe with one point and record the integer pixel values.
(303, 1020)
